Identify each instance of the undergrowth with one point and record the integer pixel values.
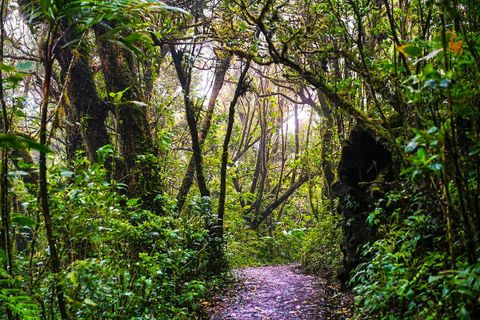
(118, 259)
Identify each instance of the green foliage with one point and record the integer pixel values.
(282, 245)
(321, 249)
(21, 143)
(425, 263)
(121, 260)
(427, 158)
(406, 278)
(368, 62)
(13, 300)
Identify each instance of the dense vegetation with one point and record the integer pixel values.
(147, 147)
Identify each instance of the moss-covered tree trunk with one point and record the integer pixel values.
(86, 111)
(135, 141)
(220, 72)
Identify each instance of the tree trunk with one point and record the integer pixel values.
(272, 206)
(216, 257)
(84, 106)
(327, 144)
(5, 237)
(219, 78)
(184, 76)
(85, 111)
(134, 135)
(223, 171)
(43, 183)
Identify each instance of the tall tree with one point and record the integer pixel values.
(84, 104)
(241, 88)
(134, 133)
(223, 64)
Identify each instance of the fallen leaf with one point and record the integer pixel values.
(456, 47)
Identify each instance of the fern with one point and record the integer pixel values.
(14, 301)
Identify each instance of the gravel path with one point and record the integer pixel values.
(281, 293)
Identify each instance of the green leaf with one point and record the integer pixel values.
(430, 84)
(412, 145)
(428, 69)
(137, 36)
(429, 56)
(90, 302)
(3, 273)
(16, 77)
(464, 313)
(422, 155)
(435, 166)
(410, 50)
(474, 151)
(3, 256)
(118, 96)
(73, 278)
(121, 186)
(66, 174)
(445, 83)
(18, 173)
(26, 66)
(23, 221)
(132, 202)
(6, 67)
(372, 217)
(21, 143)
(432, 130)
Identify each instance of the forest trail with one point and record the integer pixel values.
(282, 293)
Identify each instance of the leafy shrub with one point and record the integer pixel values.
(119, 260)
(13, 300)
(321, 249)
(406, 278)
(280, 246)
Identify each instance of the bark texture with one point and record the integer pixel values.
(135, 141)
(86, 111)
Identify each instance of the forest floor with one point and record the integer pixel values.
(281, 293)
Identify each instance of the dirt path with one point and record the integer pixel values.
(282, 293)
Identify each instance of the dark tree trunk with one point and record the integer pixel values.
(43, 182)
(215, 253)
(73, 137)
(134, 135)
(363, 159)
(5, 232)
(86, 112)
(185, 81)
(223, 171)
(187, 181)
(260, 153)
(275, 204)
